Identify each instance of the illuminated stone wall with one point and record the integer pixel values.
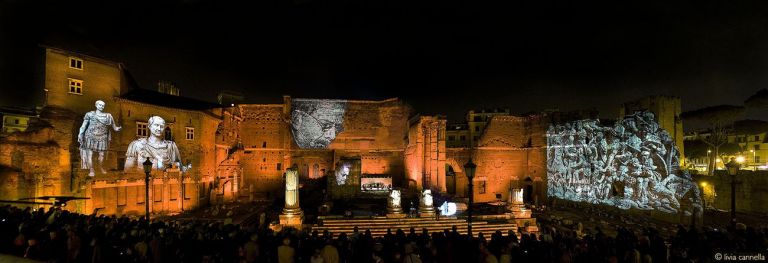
(102, 79)
(126, 195)
(426, 153)
(509, 154)
(372, 131)
(265, 139)
(26, 166)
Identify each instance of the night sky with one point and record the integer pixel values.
(441, 57)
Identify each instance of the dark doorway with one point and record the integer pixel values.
(450, 180)
(528, 192)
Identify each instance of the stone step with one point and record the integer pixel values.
(384, 219)
(487, 230)
(452, 222)
(405, 226)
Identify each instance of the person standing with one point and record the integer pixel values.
(285, 253)
(330, 253)
(251, 249)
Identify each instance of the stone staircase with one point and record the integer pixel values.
(379, 225)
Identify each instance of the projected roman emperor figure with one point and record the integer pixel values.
(162, 153)
(94, 136)
(315, 123)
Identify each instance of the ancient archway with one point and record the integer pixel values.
(455, 178)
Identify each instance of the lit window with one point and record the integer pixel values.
(141, 129)
(76, 63)
(190, 133)
(76, 86)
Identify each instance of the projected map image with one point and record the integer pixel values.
(633, 164)
(315, 123)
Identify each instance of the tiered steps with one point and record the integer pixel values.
(379, 226)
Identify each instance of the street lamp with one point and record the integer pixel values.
(733, 169)
(469, 168)
(147, 169)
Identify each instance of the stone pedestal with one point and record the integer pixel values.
(292, 220)
(292, 215)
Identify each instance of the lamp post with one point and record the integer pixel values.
(710, 167)
(754, 162)
(147, 169)
(469, 168)
(733, 169)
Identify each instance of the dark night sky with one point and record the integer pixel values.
(439, 56)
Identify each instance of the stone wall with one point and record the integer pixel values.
(751, 191)
(425, 154)
(125, 194)
(373, 131)
(102, 80)
(510, 154)
(26, 166)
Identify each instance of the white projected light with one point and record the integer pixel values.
(633, 164)
(343, 173)
(315, 123)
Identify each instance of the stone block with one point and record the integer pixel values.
(294, 220)
(399, 215)
(427, 214)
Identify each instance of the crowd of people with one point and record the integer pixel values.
(60, 236)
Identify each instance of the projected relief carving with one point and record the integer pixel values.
(315, 123)
(633, 164)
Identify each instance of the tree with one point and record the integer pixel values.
(719, 121)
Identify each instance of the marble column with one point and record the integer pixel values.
(292, 215)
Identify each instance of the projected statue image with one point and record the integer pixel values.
(162, 153)
(343, 174)
(426, 198)
(633, 164)
(94, 136)
(315, 123)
